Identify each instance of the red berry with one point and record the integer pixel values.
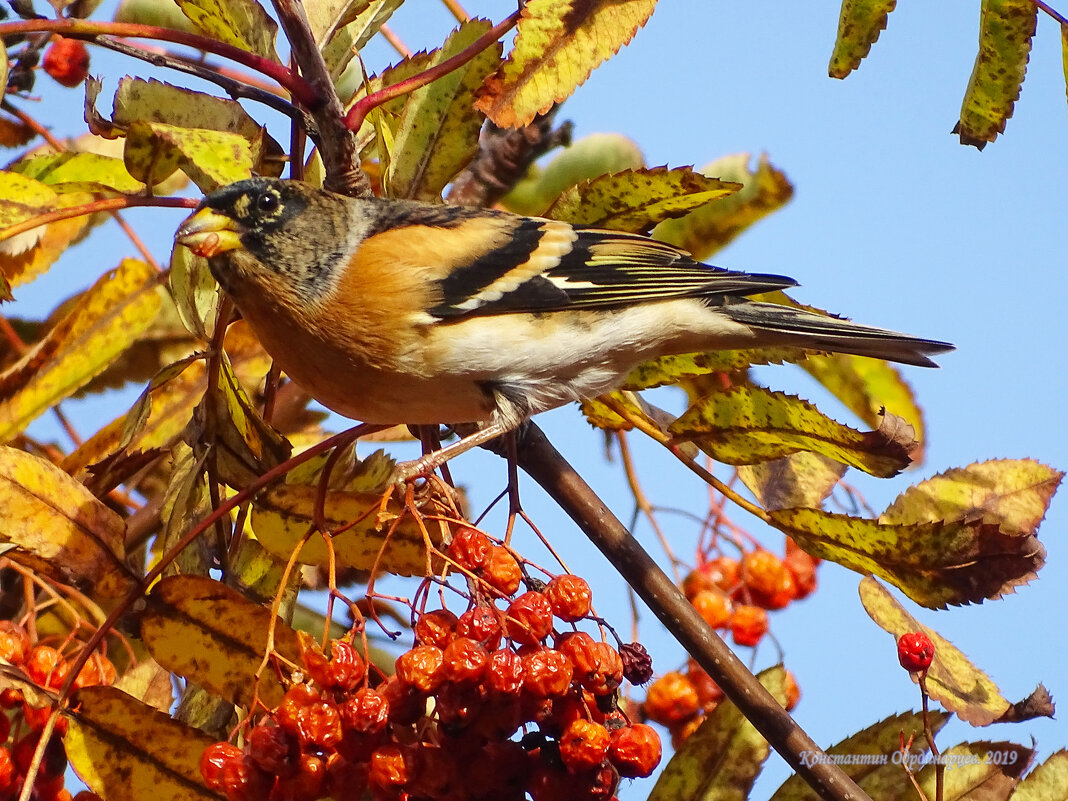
(635, 751)
(464, 661)
(11, 698)
(714, 606)
(296, 698)
(671, 699)
(502, 571)
(436, 627)
(318, 725)
(915, 651)
(421, 668)
(271, 749)
(391, 768)
(67, 61)
(722, 573)
(481, 624)
(8, 772)
(803, 568)
(366, 711)
(569, 596)
(546, 673)
(504, 673)
(529, 618)
(748, 624)
(709, 694)
(14, 642)
(584, 745)
(346, 669)
(470, 549)
(43, 666)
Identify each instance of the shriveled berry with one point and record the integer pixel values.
(637, 664)
(464, 661)
(14, 642)
(546, 673)
(318, 725)
(305, 783)
(529, 618)
(504, 673)
(421, 668)
(671, 699)
(569, 596)
(365, 711)
(242, 780)
(272, 749)
(714, 606)
(635, 751)
(915, 651)
(43, 666)
(748, 624)
(391, 768)
(8, 771)
(296, 698)
(584, 745)
(481, 624)
(435, 628)
(67, 62)
(470, 549)
(346, 668)
(502, 571)
(709, 694)
(406, 703)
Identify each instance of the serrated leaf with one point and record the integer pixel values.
(27, 255)
(82, 172)
(283, 514)
(214, 636)
(673, 369)
(1047, 782)
(802, 479)
(438, 133)
(104, 322)
(973, 774)
(23, 197)
(707, 230)
(122, 748)
(859, 25)
(723, 757)
(210, 158)
(558, 43)
(326, 16)
(867, 758)
(749, 425)
(353, 35)
(867, 387)
(934, 564)
(637, 200)
(1013, 494)
(952, 679)
(586, 159)
(60, 529)
(241, 23)
(1006, 28)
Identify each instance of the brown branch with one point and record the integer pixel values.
(545, 465)
(335, 140)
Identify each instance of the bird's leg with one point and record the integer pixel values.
(428, 463)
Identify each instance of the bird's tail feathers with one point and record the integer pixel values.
(806, 329)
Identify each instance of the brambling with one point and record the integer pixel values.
(391, 311)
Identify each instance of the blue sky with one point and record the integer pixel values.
(893, 223)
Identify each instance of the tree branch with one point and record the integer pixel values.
(544, 464)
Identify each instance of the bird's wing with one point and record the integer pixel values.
(552, 267)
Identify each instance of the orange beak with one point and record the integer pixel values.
(208, 233)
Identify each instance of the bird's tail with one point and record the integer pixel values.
(809, 330)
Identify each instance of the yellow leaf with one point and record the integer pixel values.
(975, 773)
(58, 527)
(867, 387)
(859, 26)
(707, 230)
(214, 636)
(637, 200)
(558, 43)
(935, 564)
(726, 753)
(101, 325)
(1046, 782)
(1006, 28)
(748, 425)
(123, 749)
(1011, 493)
(210, 158)
(195, 292)
(438, 133)
(801, 479)
(22, 197)
(673, 369)
(350, 38)
(241, 23)
(282, 515)
(81, 172)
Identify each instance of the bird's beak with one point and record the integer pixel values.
(208, 233)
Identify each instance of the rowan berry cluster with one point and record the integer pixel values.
(503, 701)
(21, 723)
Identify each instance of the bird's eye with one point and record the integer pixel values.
(267, 202)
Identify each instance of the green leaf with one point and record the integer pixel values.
(438, 133)
(723, 757)
(673, 369)
(80, 172)
(859, 26)
(1047, 782)
(749, 425)
(351, 37)
(637, 200)
(867, 387)
(935, 564)
(707, 230)
(210, 158)
(1006, 28)
(241, 23)
(867, 757)
(558, 43)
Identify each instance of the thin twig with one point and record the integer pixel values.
(103, 204)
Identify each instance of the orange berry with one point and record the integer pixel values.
(793, 691)
(713, 606)
(470, 549)
(14, 642)
(763, 572)
(502, 571)
(569, 596)
(529, 618)
(481, 624)
(546, 673)
(421, 668)
(436, 627)
(671, 699)
(748, 624)
(635, 751)
(584, 745)
(46, 666)
(464, 661)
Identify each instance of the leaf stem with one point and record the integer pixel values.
(105, 204)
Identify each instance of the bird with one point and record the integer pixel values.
(393, 311)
